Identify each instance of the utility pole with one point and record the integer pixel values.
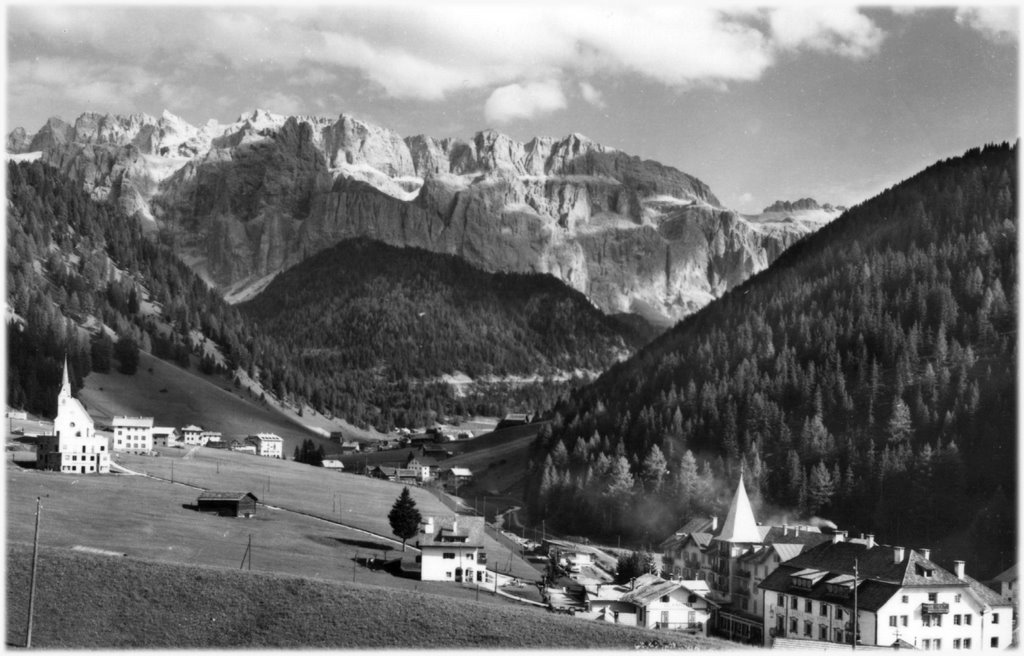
(32, 580)
(172, 471)
(250, 552)
(855, 572)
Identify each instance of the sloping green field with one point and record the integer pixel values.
(101, 602)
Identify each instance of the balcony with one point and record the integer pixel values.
(935, 609)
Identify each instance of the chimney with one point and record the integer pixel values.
(714, 523)
(797, 528)
(871, 541)
(455, 526)
(926, 553)
(897, 555)
(632, 583)
(785, 529)
(958, 568)
(428, 528)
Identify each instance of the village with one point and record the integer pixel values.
(784, 586)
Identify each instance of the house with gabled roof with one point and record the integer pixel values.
(888, 594)
(452, 550)
(74, 447)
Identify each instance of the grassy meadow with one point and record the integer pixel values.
(101, 602)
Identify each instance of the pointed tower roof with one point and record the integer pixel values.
(65, 384)
(739, 523)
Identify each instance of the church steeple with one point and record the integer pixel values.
(65, 386)
(740, 525)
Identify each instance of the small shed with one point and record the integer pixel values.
(229, 504)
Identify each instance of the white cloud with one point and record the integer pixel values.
(1000, 24)
(842, 30)
(518, 101)
(432, 51)
(592, 95)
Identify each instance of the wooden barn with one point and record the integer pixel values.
(228, 504)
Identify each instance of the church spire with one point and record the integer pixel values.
(65, 385)
(740, 525)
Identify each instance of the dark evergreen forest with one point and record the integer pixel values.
(868, 377)
(378, 324)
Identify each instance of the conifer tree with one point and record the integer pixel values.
(404, 517)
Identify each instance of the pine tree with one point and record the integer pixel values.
(900, 428)
(404, 517)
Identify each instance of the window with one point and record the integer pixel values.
(933, 597)
(967, 643)
(808, 629)
(448, 555)
(956, 643)
(664, 599)
(839, 613)
(822, 632)
(995, 620)
(793, 626)
(781, 603)
(956, 620)
(824, 609)
(469, 556)
(956, 598)
(807, 606)
(839, 635)
(447, 575)
(892, 620)
(937, 643)
(903, 620)
(793, 603)
(926, 644)
(967, 620)
(995, 643)
(906, 599)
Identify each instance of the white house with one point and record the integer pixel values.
(1006, 585)
(333, 464)
(453, 550)
(74, 446)
(902, 598)
(133, 434)
(191, 435)
(267, 445)
(662, 604)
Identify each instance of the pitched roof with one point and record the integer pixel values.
(469, 533)
(985, 594)
(739, 523)
(642, 595)
(213, 495)
(1007, 576)
(880, 575)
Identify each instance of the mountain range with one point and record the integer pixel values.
(241, 202)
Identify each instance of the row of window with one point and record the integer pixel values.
(91, 459)
(823, 608)
(838, 635)
(958, 643)
(451, 555)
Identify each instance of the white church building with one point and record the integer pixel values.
(74, 446)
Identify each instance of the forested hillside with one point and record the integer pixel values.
(364, 315)
(868, 376)
(362, 331)
(73, 263)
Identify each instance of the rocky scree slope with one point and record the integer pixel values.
(246, 200)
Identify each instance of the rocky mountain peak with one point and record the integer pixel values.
(793, 206)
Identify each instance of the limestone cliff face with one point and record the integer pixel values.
(246, 200)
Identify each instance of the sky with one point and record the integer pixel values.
(785, 101)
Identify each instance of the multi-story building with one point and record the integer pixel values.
(74, 446)
(133, 434)
(267, 445)
(898, 596)
(191, 435)
(733, 560)
(453, 550)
